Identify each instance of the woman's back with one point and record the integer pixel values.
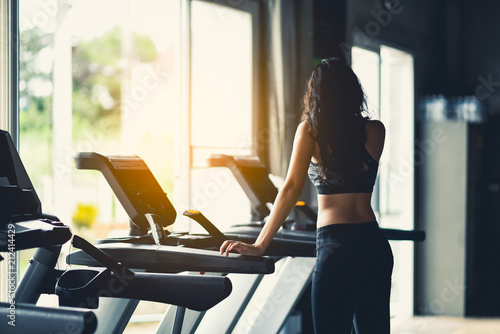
(352, 207)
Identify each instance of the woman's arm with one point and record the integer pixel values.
(303, 149)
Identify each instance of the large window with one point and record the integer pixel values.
(110, 86)
(118, 86)
(387, 77)
(169, 80)
(97, 76)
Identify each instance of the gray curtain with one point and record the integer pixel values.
(289, 61)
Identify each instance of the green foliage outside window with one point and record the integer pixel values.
(97, 75)
(97, 69)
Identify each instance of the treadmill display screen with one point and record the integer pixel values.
(133, 163)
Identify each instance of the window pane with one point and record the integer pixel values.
(109, 86)
(221, 105)
(222, 50)
(366, 65)
(96, 76)
(397, 168)
(397, 114)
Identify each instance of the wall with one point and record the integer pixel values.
(473, 68)
(480, 46)
(456, 52)
(417, 27)
(481, 76)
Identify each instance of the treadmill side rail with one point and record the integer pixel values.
(171, 259)
(43, 320)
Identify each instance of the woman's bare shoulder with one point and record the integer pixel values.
(375, 127)
(306, 128)
(375, 137)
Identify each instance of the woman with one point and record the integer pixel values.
(339, 148)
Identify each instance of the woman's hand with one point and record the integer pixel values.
(240, 247)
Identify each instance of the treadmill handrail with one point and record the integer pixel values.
(198, 217)
(100, 256)
(83, 287)
(172, 259)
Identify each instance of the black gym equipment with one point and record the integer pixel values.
(132, 182)
(151, 212)
(150, 246)
(23, 226)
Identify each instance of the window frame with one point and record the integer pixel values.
(9, 68)
(9, 94)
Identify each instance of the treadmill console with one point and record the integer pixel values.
(134, 185)
(17, 194)
(21, 217)
(253, 178)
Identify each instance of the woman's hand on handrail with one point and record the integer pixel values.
(240, 247)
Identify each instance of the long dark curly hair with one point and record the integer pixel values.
(335, 105)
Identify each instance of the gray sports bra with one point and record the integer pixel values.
(335, 184)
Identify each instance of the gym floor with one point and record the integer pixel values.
(414, 325)
(447, 325)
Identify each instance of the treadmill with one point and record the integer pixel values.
(150, 212)
(23, 226)
(151, 247)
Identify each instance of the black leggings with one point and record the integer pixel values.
(352, 278)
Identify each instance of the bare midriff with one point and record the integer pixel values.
(351, 208)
